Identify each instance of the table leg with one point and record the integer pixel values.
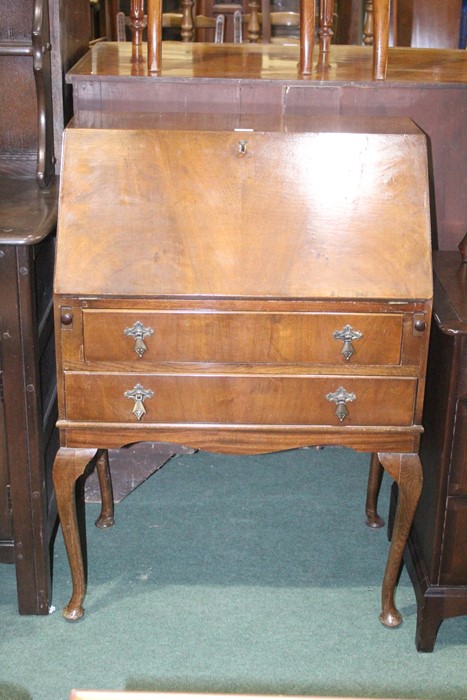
(406, 470)
(375, 476)
(326, 15)
(430, 614)
(106, 516)
(69, 465)
(307, 35)
(380, 38)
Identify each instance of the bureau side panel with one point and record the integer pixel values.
(435, 451)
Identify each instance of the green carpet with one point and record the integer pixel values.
(238, 575)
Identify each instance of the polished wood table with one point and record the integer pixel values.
(274, 62)
(256, 319)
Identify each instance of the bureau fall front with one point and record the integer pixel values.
(242, 285)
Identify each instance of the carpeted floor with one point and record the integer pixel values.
(237, 575)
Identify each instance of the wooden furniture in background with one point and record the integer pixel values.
(436, 556)
(429, 23)
(284, 27)
(419, 23)
(175, 20)
(368, 28)
(38, 43)
(28, 409)
(426, 85)
(227, 329)
(307, 34)
(26, 143)
(436, 553)
(289, 22)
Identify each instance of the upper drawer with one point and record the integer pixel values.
(242, 337)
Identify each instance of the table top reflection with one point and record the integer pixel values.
(182, 61)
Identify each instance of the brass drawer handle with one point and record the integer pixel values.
(138, 331)
(347, 334)
(341, 397)
(138, 394)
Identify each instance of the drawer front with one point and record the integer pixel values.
(264, 400)
(367, 339)
(454, 555)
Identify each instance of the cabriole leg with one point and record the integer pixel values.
(375, 476)
(406, 470)
(106, 516)
(69, 465)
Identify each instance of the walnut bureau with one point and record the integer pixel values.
(242, 285)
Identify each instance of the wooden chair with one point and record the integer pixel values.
(307, 33)
(262, 26)
(368, 22)
(186, 23)
(278, 27)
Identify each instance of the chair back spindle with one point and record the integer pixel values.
(188, 27)
(154, 36)
(220, 29)
(137, 22)
(237, 27)
(186, 22)
(326, 13)
(253, 24)
(381, 38)
(307, 35)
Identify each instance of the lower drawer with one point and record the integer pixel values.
(244, 399)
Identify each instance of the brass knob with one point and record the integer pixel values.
(420, 326)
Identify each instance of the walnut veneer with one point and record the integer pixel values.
(243, 288)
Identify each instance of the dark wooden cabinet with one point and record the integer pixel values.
(38, 42)
(436, 556)
(28, 407)
(429, 23)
